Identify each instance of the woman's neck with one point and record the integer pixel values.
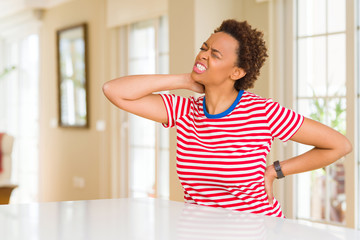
(219, 100)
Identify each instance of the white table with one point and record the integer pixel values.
(141, 219)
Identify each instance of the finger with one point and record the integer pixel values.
(197, 87)
(270, 198)
(201, 88)
(269, 193)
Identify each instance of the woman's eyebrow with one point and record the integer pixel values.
(213, 49)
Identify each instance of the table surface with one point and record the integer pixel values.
(143, 218)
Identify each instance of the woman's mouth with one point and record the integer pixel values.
(199, 68)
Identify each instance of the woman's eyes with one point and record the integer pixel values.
(212, 54)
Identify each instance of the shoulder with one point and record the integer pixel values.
(177, 98)
(249, 98)
(196, 100)
(185, 104)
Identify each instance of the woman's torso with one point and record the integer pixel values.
(221, 161)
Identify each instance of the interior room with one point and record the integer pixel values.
(63, 140)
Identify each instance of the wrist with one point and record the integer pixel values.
(187, 81)
(177, 81)
(270, 172)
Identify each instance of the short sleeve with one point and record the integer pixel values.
(176, 107)
(283, 122)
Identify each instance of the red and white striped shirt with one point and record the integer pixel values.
(220, 158)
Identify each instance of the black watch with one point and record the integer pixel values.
(277, 167)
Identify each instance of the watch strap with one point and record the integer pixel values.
(277, 167)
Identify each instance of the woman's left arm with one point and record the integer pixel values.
(329, 146)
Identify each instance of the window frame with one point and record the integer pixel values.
(351, 177)
(284, 22)
(120, 143)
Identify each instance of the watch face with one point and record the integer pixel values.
(277, 166)
(278, 170)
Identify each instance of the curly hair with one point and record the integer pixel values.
(251, 51)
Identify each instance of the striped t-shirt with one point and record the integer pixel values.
(220, 158)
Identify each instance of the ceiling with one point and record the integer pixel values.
(10, 7)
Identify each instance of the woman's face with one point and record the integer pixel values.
(215, 64)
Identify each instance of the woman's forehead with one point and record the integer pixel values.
(222, 41)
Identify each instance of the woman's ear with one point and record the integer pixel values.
(237, 73)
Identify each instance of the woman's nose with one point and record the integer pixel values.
(203, 55)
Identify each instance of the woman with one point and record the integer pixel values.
(224, 136)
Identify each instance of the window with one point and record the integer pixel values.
(19, 112)
(148, 157)
(321, 95)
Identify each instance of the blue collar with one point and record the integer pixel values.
(226, 112)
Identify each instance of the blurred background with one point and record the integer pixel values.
(70, 143)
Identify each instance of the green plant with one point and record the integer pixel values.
(333, 116)
(6, 71)
(330, 111)
(323, 112)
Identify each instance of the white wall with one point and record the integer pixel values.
(120, 12)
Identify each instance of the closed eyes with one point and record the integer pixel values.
(214, 52)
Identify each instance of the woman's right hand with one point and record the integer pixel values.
(193, 85)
